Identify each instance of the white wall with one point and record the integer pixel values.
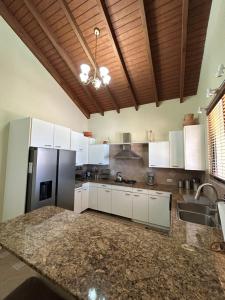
(27, 89)
(170, 113)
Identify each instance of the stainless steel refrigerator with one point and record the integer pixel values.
(51, 178)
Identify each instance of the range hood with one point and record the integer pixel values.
(126, 152)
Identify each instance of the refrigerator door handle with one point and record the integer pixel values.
(30, 167)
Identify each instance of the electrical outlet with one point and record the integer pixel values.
(169, 180)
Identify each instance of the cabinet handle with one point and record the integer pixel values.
(107, 191)
(140, 190)
(48, 145)
(153, 198)
(127, 194)
(153, 165)
(174, 166)
(57, 146)
(159, 193)
(136, 195)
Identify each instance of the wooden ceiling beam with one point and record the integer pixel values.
(185, 5)
(84, 45)
(106, 17)
(24, 36)
(65, 57)
(150, 59)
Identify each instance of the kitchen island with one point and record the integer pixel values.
(93, 256)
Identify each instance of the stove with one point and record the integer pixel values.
(127, 181)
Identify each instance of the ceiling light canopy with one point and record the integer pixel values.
(99, 77)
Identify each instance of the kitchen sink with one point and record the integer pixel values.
(196, 208)
(197, 218)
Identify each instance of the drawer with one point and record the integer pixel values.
(159, 193)
(122, 188)
(104, 186)
(140, 191)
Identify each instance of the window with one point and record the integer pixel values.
(216, 142)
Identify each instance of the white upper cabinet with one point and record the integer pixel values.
(98, 154)
(42, 134)
(176, 140)
(159, 154)
(79, 143)
(61, 137)
(194, 147)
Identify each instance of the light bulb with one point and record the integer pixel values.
(85, 68)
(103, 71)
(84, 77)
(106, 79)
(96, 83)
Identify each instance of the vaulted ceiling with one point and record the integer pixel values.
(152, 48)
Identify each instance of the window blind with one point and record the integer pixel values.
(216, 139)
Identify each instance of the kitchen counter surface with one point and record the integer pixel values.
(139, 185)
(93, 256)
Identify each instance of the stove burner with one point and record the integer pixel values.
(127, 181)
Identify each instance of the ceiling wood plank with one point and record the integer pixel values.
(150, 59)
(185, 5)
(84, 45)
(19, 30)
(66, 58)
(115, 44)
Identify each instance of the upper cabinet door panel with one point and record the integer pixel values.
(159, 154)
(76, 140)
(98, 154)
(176, 139)
(61, 137)
(194, 147)
(42, 134)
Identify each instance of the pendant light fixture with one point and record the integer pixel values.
(87, 78)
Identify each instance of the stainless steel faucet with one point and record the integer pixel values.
(197, 195)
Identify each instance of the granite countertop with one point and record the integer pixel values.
(92, 255)
(139, 185)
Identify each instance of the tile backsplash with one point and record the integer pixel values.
(137, 169)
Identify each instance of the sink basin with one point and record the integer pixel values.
(197, 218)
(197, 208)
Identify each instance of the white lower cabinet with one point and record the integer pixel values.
(159, 210)
(104, 200)
(140, 207)
(78, 200)
(85, 197)
(93, 196)
(122, 203)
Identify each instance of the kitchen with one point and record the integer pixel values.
(123, 213)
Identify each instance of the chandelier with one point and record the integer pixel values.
(98, 78)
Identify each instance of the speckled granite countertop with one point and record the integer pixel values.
(91, 254)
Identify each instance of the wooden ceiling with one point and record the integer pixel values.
(152, 48)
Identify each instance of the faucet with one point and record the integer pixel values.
(197, 195)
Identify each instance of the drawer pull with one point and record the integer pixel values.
(159, 193)
(57, 146)
(48, 145)
(153, 198)
(107, 191)
(127, 194)
(136, 195)
(140, 190)
(174, 166)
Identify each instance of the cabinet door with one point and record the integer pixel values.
(122, 203)
(61, 137)
(85, 198)
(140, 207)
(194, 147)
(93, 197)
(77, 201)
(98, 154)
(176, 140)
(159, 154)
(84, 152)
(77, 145)
(159, 211)
(42, 134)
(104, 200)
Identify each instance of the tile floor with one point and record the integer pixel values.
(12, 273)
